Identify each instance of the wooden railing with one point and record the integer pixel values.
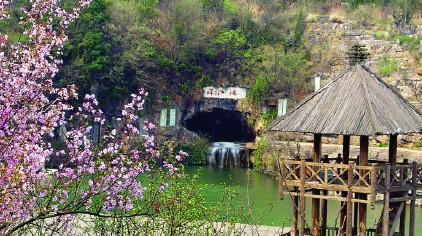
(334, 231)
(369, 180)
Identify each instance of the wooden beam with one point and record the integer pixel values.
(316, 202)
(343, 205)
(396, 218)
(363, 161)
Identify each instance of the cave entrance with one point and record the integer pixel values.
(221, 125)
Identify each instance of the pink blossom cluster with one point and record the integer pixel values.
(27, 112)
(3, 4)
(31, 109)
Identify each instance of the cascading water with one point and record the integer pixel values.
(224, 154)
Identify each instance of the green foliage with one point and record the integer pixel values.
(387, 66)
(363, 15)
(227, 44)
(403, 38)
(259, 90)
(213, 5)
(299, 26)
(229, 6)
(88, 50)
(379, 35)
(357, 3)
(385, 21)
(418, 144)
(197, 151)
(266, 117)
(261, 147)
(180, 209)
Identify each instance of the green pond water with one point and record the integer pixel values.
(262, 191)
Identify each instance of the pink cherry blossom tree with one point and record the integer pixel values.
(93, 180)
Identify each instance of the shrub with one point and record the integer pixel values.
(384, 21)
(259, 90)
(411, 43)
(261, 148)
(387, 67)
(230, 6)
(197, 151)
(181, 208)
(363, 16)
(380, 35)
(403, 38)
(267, 116)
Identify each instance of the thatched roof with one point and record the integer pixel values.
(357, 102)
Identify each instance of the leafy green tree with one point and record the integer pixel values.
(87, 54)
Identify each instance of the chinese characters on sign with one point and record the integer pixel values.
(229, 93)
(168, 117)
(282, 107)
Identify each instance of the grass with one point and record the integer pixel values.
(230, 6)
(387, 67)
(403, 38)
(379, 35)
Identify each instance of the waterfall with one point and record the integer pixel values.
(223, 154)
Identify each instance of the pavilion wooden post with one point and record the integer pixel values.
(343, 205)
(413, 201)
(302, 197)
(349, 216)
(392, 149)
(363, 161)
(315, 201)
(324, 204)
(386, 213)
(392, 159)
(402, 226)
(295, 231)
(356, 207)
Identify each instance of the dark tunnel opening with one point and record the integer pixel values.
(221, 125)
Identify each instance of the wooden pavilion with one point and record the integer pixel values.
(356, 103)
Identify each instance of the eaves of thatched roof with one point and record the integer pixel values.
(357, 102)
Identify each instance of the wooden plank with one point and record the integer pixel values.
(281, 178)
(328, 197)
(316, 201)
(302, 198)
(373, 196)
(386, 211)
(329, 165)
(396, 219)
(363, 161)
(413, 201)
(329, 187)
